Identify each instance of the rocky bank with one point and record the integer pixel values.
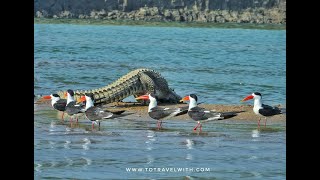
(215, 11)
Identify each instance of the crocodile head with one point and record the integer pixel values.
(169, 96)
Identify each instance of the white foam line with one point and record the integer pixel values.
(189, 144)
(53, 164)
(253, 157)
(66, 145)
(256, 174)
(255, 133)
(52, 124)
(85, 145)
(150, 133)
(189, 157)
(51, 144)
(88, 160)
(189, 177)
(68, 129)
(70, 162)
(86, 140)
(150, 159)
(38, 167)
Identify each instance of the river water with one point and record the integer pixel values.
(221, 66)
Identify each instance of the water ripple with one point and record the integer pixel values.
(67, 145)
(37, 168)
(85, 146)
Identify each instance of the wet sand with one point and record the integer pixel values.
(248, 114)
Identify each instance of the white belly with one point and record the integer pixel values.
(256, 111)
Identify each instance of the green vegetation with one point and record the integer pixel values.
(157, 23)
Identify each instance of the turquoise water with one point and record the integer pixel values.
(220, 65)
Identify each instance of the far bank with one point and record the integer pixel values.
(158, 23)
(206, 11)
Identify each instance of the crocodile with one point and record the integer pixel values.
(137, 82)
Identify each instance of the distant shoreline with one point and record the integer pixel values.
(206, 11)
(158, 23)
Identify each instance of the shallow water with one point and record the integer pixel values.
(224, 150)
(220, 65)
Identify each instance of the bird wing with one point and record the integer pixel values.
(198, 113)
(117, 112)
(102, 113)
(269, 110)
(60, 105)
(73, 108)
(184, 110)
(160, 112)
(96, 113)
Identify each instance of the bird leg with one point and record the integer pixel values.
(265, 121)
(195, 128)
(159, 123)
(92, 125)
(99, 125)
(200, 127)
(259, 123)
(71, 122)
(62, 115)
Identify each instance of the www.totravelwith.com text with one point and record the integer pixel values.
(168, 169)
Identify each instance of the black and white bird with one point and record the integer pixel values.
(260, 109)
(57, 103)
(201, 114)
(159, 113)
(72, 108)
(96, 114)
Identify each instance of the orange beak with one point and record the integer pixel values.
(247, 98)
(46, 97)
(144, 97)
(186, 98)
(82, 98)
(66, 94)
